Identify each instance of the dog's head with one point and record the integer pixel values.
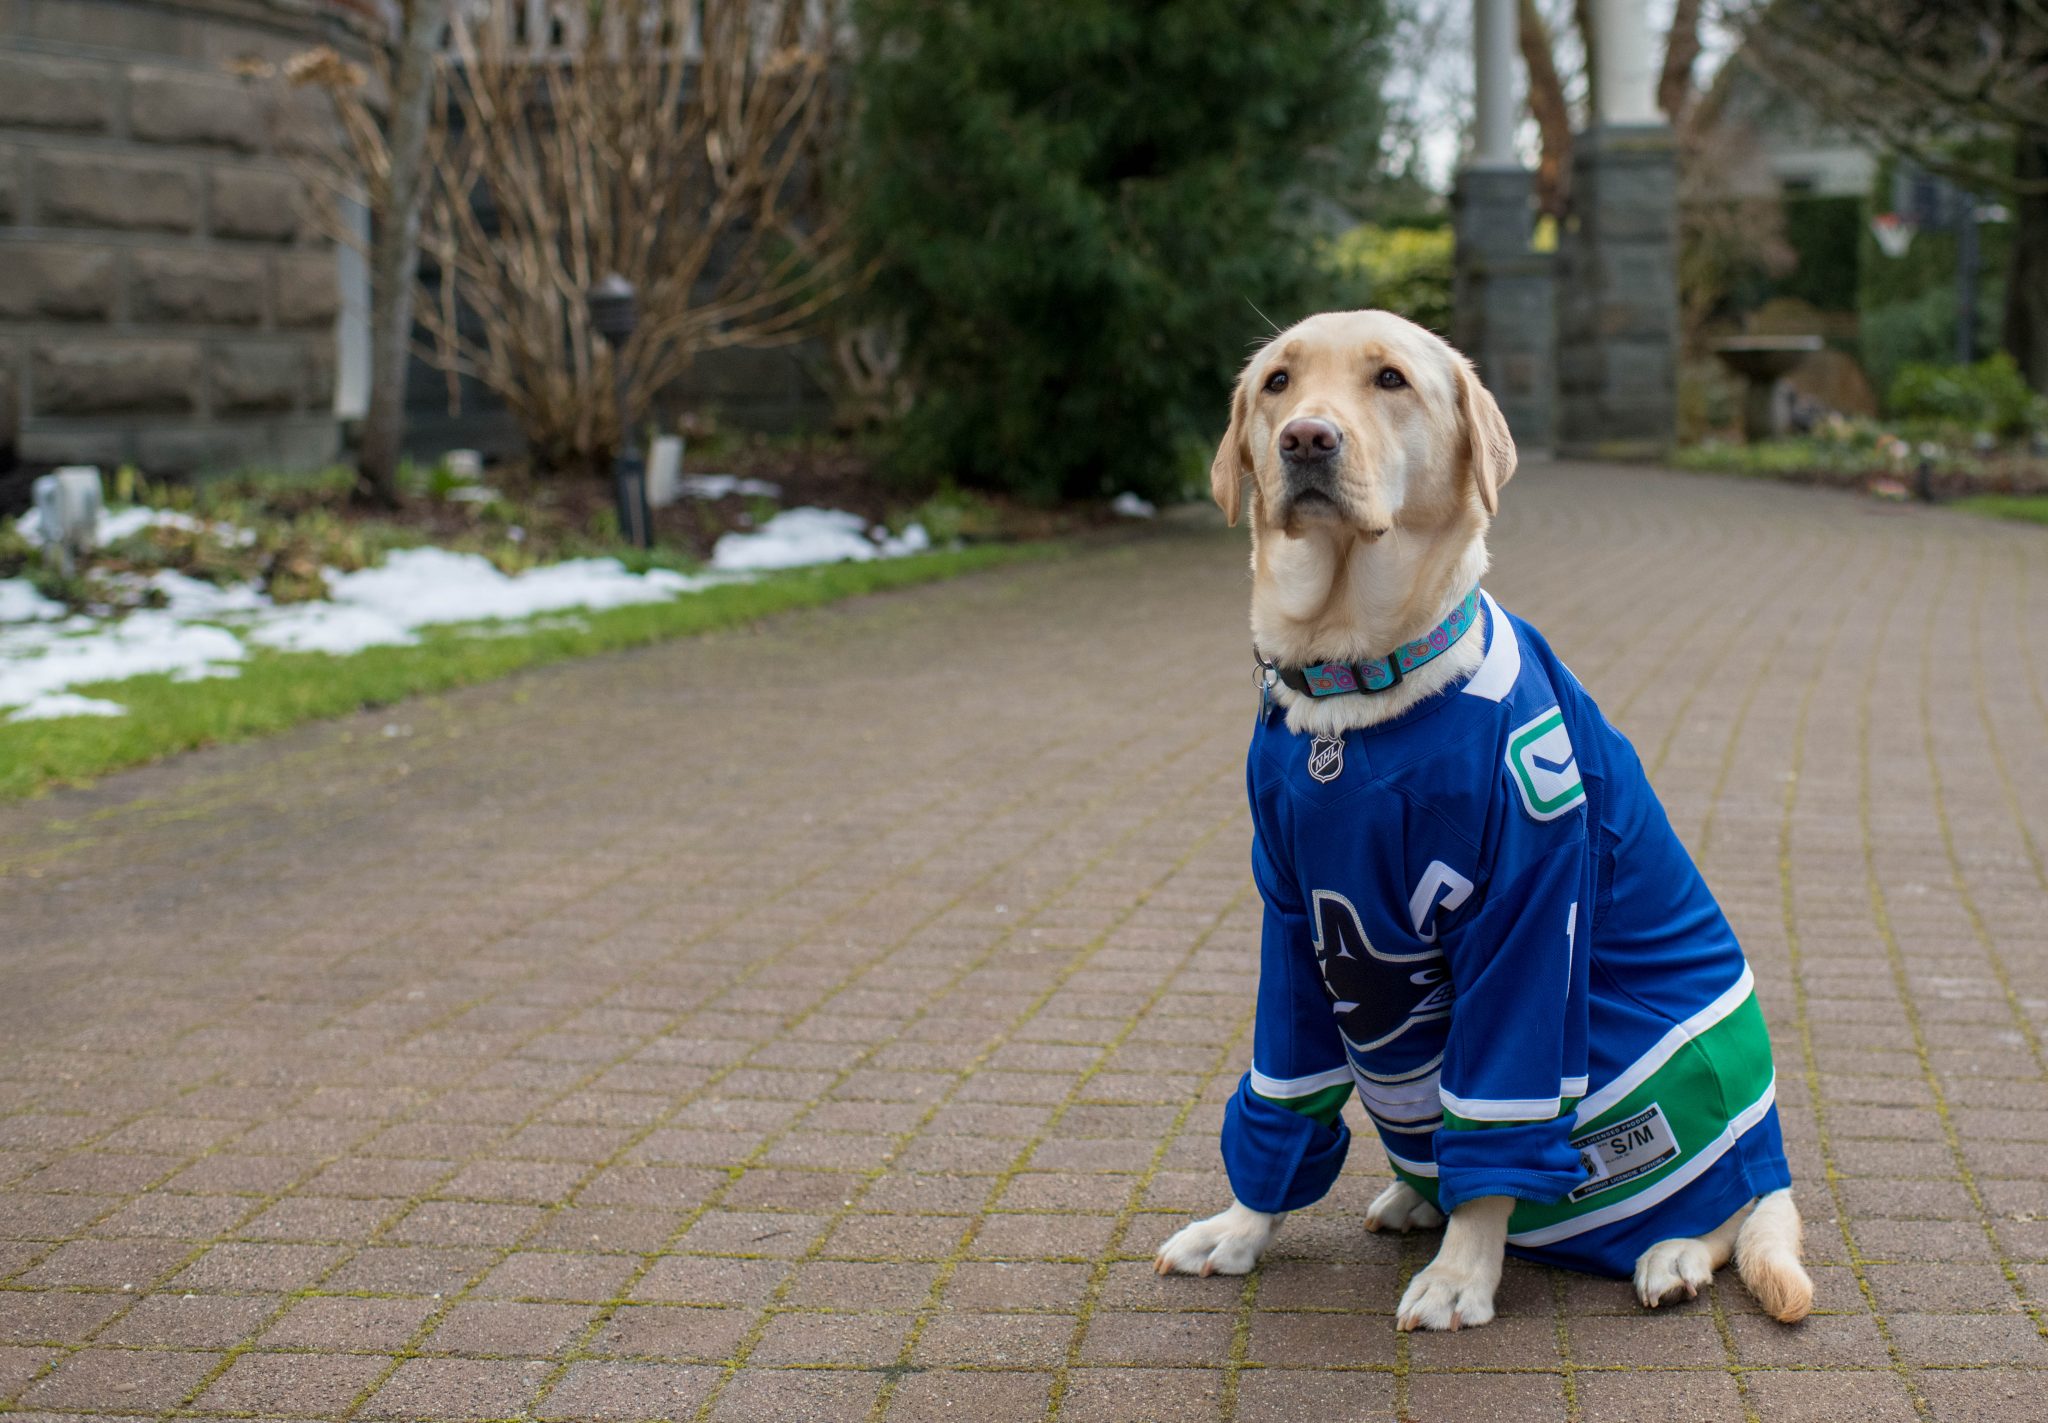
(1375, 461)
(1353, 423)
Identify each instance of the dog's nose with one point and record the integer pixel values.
(1309, 439)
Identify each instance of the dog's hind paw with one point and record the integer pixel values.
(1673, 1270)
(1225, 1244)
(1401, 1208)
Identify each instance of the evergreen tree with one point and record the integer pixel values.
(1076, 207)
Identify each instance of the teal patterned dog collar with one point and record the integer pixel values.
(1377, 674)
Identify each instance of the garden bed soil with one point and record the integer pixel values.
(824, 474)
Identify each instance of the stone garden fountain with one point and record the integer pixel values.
(1763, 361)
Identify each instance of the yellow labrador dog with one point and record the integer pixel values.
(1477, 916)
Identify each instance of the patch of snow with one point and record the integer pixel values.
(55, 704)
(38, 660)
(718, 486)
(1130, 506)
(796, 537)
(413, 588)
(188, 597)
(44, 654)
(328, 627)
(118, 524)
(21, 603)
(548, 624)
(913, 539)
(192, 598)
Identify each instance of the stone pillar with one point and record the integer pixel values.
(1617, 314)
(1502, 313)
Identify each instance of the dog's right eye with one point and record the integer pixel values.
(1276, 382)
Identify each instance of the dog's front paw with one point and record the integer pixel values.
(1401, 1208)
(1225, 1244)
(1448, 1297)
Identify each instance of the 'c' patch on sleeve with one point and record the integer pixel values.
(1545, 768)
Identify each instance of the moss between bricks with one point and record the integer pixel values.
(278, 690)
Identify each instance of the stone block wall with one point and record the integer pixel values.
(1503, 302)
(163, 296)
(1617, 297)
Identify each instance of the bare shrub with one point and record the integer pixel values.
(669, 141)
(376, 158)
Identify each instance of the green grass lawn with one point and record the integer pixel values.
(2027, 508)
(278, 689)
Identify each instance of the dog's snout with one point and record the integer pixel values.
(1309, 439)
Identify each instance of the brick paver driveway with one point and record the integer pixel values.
(825, 1022)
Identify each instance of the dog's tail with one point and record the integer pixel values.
(1767, 1258)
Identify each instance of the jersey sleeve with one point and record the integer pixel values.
(1515, 1061)
(1284, 1139)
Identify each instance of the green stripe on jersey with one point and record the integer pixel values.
(1686, 1104)
(1324, 1106)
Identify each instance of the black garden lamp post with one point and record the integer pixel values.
(614, 313)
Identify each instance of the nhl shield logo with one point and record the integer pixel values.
(1326, 758)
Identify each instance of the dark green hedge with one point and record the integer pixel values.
(1827, 234)
(1076, 207)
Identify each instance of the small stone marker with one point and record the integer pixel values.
(69, 502)
(665, 471)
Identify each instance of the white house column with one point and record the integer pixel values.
(1497, 97)
(1501, 302)
(1624, 66)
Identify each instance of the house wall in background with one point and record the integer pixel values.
(163, 298)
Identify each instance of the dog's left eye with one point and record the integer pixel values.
(1391, 379)
(1276, 382)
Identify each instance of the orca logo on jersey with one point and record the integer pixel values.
(1377, 996)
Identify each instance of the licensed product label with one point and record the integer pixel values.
(1615, 1155)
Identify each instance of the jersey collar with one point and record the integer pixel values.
(1375, 674)
(1496, 675)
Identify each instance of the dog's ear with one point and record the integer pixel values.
(1233, 458)
(1490, 449)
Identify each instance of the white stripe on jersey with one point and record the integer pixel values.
(1413, 1168)
(1284, 1087)
(1399, 1102)
(1497, 1109)
(1666, 1048)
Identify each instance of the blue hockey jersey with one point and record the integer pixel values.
(1478, 918)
